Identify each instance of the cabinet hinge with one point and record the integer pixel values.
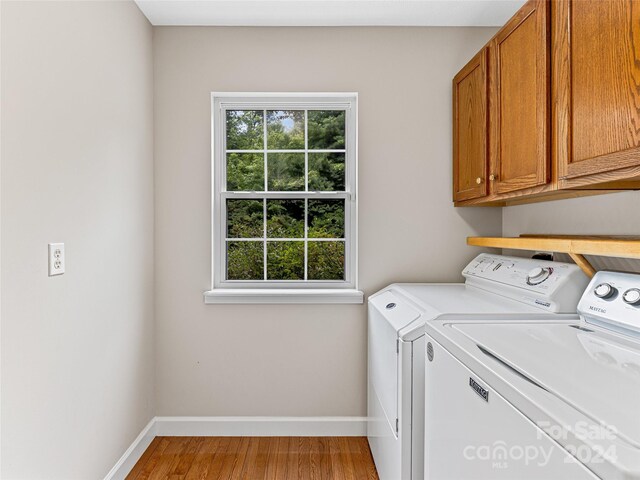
(397, 346)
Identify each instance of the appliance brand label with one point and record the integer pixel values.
(597, 309)
(544, 304)
(482, 392)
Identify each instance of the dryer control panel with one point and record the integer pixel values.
(612, 300)
(552, 286)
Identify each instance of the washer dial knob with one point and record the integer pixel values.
(604, 290)
(538, 275)
(632, 296)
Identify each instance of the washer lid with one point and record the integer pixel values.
(592, 371)
(461, 298)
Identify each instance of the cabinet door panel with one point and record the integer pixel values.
(519, 98)
(470, 111)
(599, 58)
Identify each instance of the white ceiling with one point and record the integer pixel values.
(450, 13)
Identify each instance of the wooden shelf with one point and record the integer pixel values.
(575, 246)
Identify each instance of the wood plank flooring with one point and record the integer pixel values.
(256, 458)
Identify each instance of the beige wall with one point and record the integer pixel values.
(302, 360)
(77, 167)
(611, 214)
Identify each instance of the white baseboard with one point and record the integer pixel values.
(236, 427)
(128, 460)
(262, 426)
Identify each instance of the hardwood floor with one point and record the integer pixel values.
(256, 458)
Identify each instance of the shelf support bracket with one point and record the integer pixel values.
(583, 263)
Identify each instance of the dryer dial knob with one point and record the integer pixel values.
(604, 290)
(632, 296)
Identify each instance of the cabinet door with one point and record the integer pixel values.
(470, 110)
(597, 85)
(519, 84)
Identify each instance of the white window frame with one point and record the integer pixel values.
(282, 291)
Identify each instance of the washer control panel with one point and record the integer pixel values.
(612, 300)
(551, 286)
(537, 275)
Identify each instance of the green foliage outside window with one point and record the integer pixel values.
(245, 260)
(292, 220)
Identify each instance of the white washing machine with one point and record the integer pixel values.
(538, 400)
(494, 285)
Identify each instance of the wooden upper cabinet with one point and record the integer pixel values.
(519, 98)
(470, 110)
(597, 90)
(563, 116)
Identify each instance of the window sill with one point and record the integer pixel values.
(280, 296)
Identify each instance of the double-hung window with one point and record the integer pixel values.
(284, 198)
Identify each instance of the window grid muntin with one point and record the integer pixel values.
(279, 239)
(290, 150)
(264, 201)
(306, 102)
(306, 200)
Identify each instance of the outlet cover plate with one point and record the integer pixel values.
(56, 259)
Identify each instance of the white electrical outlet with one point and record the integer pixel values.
(56, 259)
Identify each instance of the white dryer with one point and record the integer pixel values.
(494, 285)
(538, 400)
